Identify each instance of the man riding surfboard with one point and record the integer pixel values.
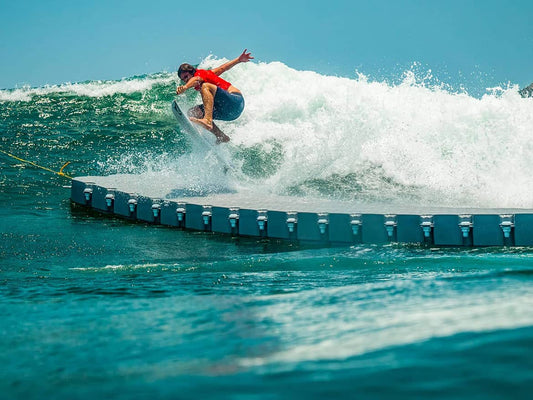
(221, 100)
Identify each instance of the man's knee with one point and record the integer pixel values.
(208, 88)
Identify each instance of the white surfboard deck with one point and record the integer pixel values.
(202, 140)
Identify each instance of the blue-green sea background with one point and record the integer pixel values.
(96, 307)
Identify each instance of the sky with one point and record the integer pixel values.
(470, 42)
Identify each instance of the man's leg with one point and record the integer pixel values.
(221, 136)
(208, 92)
(195, 112)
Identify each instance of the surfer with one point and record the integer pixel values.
(221, 100)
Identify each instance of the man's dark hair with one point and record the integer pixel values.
(186, 68)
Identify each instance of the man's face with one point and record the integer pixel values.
(185, 76)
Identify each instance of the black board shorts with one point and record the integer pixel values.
(227, 106)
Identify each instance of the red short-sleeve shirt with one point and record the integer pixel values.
(210, 77)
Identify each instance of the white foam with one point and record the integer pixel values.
(459, 149)
(90, 89)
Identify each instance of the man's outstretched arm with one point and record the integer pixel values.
(191, 83)
(244, 57)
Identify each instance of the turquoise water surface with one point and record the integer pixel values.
(96, 307)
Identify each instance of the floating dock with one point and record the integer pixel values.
(304, 220)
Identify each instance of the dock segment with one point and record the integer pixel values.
(305, 220)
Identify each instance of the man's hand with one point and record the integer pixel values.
(181, 89)
(245, 57)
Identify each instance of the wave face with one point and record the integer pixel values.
(302, 133)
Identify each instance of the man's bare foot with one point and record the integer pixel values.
(222, 138)
(203, 122)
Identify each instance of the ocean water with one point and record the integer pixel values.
(97, 307)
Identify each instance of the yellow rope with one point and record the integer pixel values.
(60, 172)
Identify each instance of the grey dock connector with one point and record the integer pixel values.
(292, 221)
(207, 213)
(507, 224)
(88, 193)
(390, 225)
(110, 198)
(356, 223)
(262, 220)
(466, 225)
(323, 222)
(156, 208)
(132, 203)
(180, 212)
(233, 217)
(426, 223)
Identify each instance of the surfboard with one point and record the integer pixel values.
(187, 126)
(202, 139)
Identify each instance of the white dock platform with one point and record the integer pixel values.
(303, 219)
